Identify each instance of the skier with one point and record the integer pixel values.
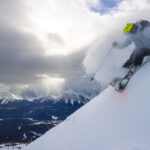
(139, 34)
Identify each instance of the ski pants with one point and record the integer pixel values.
(137, 57)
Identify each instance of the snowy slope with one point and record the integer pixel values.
(111, 121)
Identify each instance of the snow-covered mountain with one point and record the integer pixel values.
(24, 120)
(73, 97)
(67, 96)
(111, 121)
(8, 97)
(29, 117)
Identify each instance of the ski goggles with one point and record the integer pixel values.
(134, 29)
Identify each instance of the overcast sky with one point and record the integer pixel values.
(43, 42)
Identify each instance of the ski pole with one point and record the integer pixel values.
(92, 78)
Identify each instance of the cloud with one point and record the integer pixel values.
(23, 62)
(68, 19)
(22, 59)
(55, 38)
(42, 43)
(21, 56)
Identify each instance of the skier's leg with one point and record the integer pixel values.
(130, 61)
(139, 56)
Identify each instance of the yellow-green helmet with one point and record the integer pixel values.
(128, 28)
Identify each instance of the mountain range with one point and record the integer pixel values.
(25, 119)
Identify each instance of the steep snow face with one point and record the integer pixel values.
(111, 121)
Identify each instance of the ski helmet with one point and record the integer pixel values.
(130, 28)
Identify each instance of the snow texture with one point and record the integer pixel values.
(111, 121)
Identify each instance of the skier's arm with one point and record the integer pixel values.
(124, 44)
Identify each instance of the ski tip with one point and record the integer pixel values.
(110, 84)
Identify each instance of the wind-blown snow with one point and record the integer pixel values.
(104, 61)
(111, 121)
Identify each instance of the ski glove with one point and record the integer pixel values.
(115, 43)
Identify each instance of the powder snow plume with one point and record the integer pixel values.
(104, 61)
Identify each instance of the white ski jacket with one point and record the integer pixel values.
(141, 39)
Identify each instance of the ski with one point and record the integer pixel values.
(120, 84)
